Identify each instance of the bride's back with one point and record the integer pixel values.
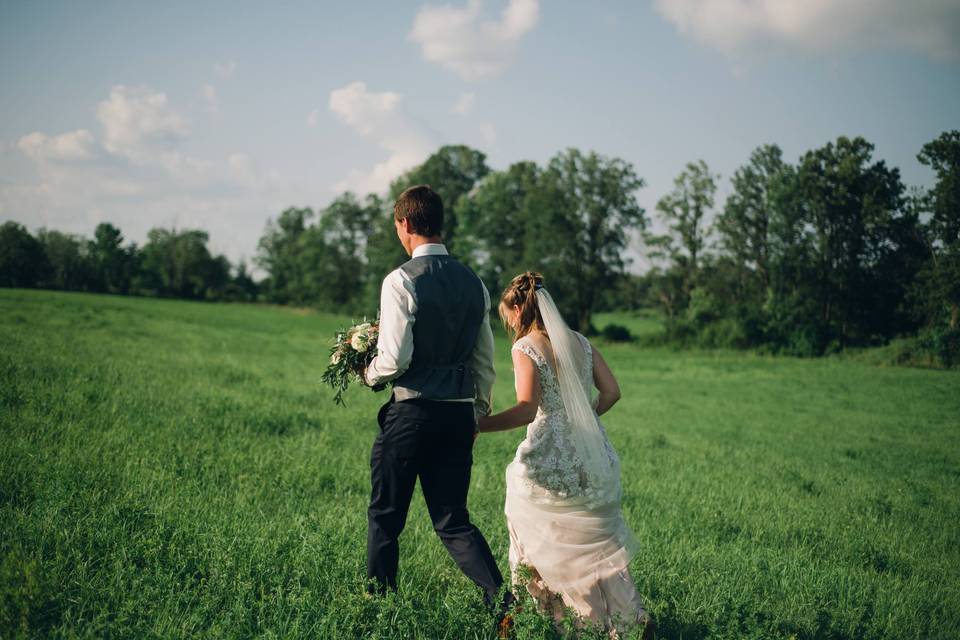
(582, 362)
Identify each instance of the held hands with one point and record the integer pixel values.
(482, 421)
(520, 415)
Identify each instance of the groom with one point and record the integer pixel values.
(436, 347)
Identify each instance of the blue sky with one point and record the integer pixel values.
(219, 115)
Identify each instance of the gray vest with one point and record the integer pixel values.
(450, 310)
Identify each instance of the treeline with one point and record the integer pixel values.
(813, 257)
(803, 258)
(170, 264)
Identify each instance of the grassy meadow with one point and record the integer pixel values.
(174, 469)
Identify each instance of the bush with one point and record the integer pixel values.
(680, 332)
(943, 343)
(804, 341)
(929, 349)
(724, 333)
(616, 333)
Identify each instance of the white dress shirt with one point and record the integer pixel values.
(398, 309)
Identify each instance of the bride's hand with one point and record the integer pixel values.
(483, 424)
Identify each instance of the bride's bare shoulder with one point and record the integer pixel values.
(531, 345)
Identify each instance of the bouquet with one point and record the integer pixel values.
(352, 351)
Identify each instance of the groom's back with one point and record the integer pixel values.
(450, 306)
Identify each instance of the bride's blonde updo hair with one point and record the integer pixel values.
(520, 293)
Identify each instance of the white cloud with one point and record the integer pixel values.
(210, 95)
(241, 166)
(464, 104)
(140, 130)
(313, 118)
(138, 123)
(72, 146)
(225, 69)
(243, 171)
(231, 199)
(135, 173)
(457, 38)
(380, 118)
(489, 134)
(931, 27)
(361, 109)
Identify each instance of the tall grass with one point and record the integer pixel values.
(175, 469)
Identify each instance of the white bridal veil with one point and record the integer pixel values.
(584, 425)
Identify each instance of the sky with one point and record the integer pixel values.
(219, 115)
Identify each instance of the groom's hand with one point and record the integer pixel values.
(380, 386)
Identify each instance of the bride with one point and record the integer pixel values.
(563, 486)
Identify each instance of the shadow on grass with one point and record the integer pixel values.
(670, 628)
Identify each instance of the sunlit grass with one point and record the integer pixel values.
(175, 469)
(642, 324)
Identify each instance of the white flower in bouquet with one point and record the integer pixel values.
(359, 342)
(350, 355)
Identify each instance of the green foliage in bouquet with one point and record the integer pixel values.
(352, 351)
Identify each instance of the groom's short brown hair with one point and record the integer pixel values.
(423, 208)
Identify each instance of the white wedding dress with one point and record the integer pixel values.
(564, 516)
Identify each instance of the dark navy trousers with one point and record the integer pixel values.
(432, 441)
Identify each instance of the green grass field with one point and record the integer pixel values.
(174, 469)
(641, 324)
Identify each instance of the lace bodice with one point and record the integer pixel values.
(547, 463)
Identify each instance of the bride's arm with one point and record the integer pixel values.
(605, 381)
(528, 398)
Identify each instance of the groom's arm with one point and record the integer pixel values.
(398, 307)
(481, 362)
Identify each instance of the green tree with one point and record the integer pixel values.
(666, 291)
(850, 206)
(178, 264)
(749, 230)
(324, 264)
(684, 213)
(71, 265)
(942, 274)
(789, 313)
(279, 253)
(744, 225)
(494, 221)
(23, 262)
(341, 250)
(242, 287)
(580, 219)
(113, 264)
(629, 292)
